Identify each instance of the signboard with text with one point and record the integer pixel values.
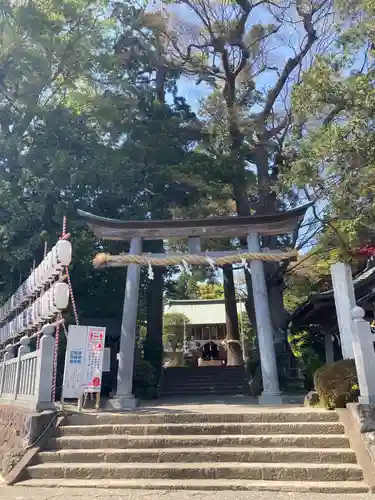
(83, 361)
(92, 380)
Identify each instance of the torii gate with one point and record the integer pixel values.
(251, 227)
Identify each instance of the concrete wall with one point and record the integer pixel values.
(19, 428)
(363, 417)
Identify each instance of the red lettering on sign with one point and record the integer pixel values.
(96, 381)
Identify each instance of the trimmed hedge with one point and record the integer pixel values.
(337, 384)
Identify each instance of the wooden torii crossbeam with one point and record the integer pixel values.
(211, 227)
(251, 227)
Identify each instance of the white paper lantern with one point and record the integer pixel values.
(63, 255)
(28, 288)
(50, 266)
(30, 318)
(47, 305)
(18, 297)
(38, 311)
(5, 310)
(23, 292)
(13, 304)
(60, 297)
(39, 279)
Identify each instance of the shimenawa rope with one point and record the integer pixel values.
(107, 260)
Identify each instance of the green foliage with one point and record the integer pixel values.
(337, 383)
(246, 329)
(185, 287)
(334, 149)
(304, 348)
(208, 291)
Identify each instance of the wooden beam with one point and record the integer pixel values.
(119, 234)
(211, 227)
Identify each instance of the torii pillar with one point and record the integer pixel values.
(124, 398)
(271, 394)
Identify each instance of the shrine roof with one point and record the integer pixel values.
(201, 311)
(276, 223)
(319, 308)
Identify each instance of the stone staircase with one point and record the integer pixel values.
(292, 449)
(216, 380)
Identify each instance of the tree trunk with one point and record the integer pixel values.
(234, 351)
(153, 346)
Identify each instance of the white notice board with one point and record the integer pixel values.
(83, 361)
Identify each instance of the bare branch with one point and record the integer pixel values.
(332, 115)
(280, 127)
(293, 62)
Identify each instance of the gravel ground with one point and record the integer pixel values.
(19, 493)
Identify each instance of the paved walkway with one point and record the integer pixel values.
(19, 493)
(202, 404)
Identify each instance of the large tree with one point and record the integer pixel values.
(93, 130)
(250, 54)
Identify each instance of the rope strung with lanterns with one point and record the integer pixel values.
(107, 260)
(45, 303)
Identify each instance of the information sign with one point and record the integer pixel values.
(83, 361)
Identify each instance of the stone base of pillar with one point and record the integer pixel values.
(270, 399)
(128, 402)
(367, 400)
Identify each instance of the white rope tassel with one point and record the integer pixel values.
(211, 263)
(186, 267)
(245, 265)
(150, 271)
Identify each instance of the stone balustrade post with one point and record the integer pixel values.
(44, 369)
(9, 354)
(23, 349)
(364, 356)
(343, 290)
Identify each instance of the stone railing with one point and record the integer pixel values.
(364, 356)
(26, 377)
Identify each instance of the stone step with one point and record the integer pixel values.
(201, 441)
(337, 487)
(196, 384)
(257, 416)
(209, 391)
(209, 378)
(199, 369)
(192, 455)
(250, 472)
(204, 428)
(204, 388)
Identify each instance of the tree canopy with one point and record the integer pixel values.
(196, 108)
